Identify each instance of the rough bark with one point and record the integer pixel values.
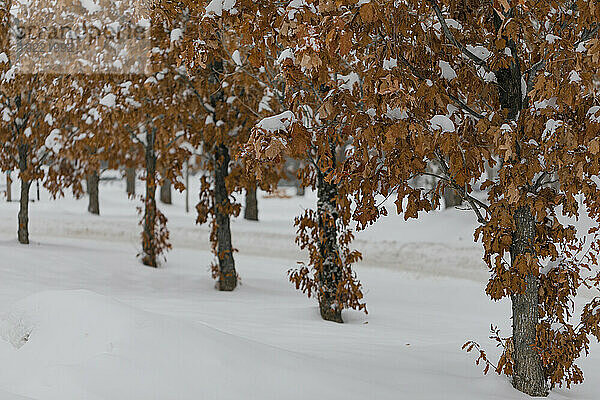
(8, 186)
(23, 231)
(330, 273)
(528, 374)
(510, 92)
(149, 239)
(227, 273)
(227, 279)
(165, 192)
(251, 209)
(451, 198)
(130, 178)
(92, 184)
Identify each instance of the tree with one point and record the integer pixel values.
(93, 145)
(23, 130)
(462, 84)
(230, 106)
(27, 133)
(225, 129)
(299, 124)
(151, 134)
(138, 117)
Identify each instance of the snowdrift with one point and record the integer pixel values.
(78, 344)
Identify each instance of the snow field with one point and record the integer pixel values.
(81, 318)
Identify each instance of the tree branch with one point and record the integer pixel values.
(448, 34)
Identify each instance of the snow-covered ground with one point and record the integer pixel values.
(81, 318)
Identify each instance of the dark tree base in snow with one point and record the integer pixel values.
(329, 313)
(149, 261)
(227, 283)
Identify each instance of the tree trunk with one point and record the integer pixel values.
(130, 178)
(528, 374)
(187, 186)
(37, 189)
(451, 198)
(92, 183)
(251, 210)
(300, 191)
(23, 231)
(509, 88)
(330, 274)
(149, 234)
(165, 192)
(227, 274)
(555, 183)
(8, 186)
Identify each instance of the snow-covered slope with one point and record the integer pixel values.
(82, 319)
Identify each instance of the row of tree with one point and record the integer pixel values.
(370, 98)
(434, 88)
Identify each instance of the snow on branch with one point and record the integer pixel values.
(443, 123)
(279, 122)
(216, 7)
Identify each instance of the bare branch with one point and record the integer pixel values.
(448, 34)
